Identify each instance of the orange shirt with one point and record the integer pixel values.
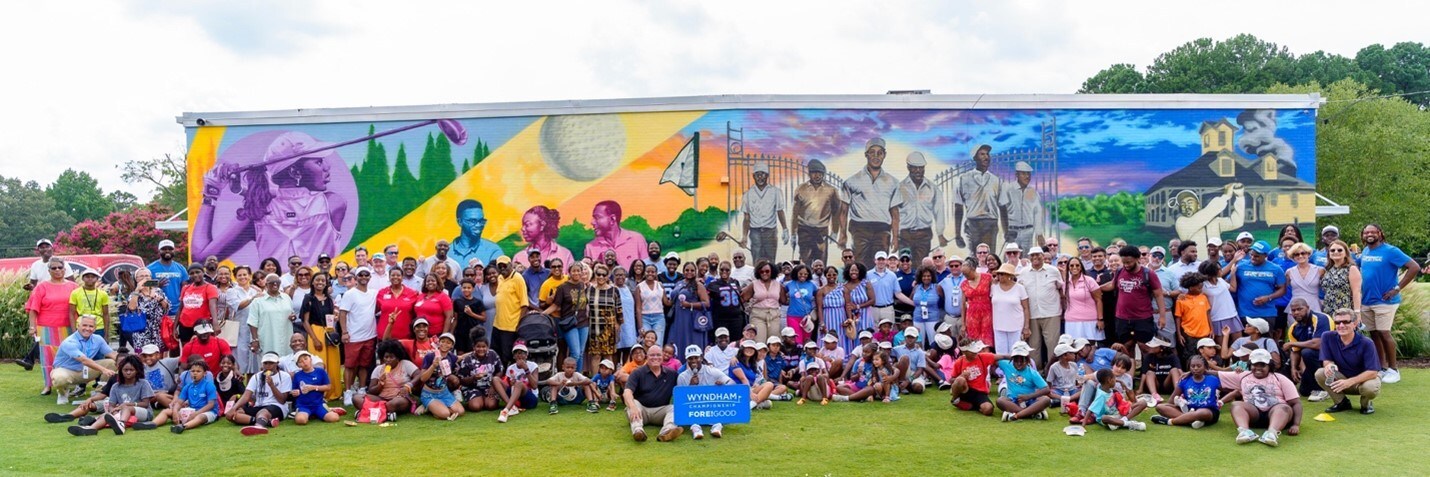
(1195, 312)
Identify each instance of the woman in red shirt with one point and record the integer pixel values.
(394, 308)
(49, 310)
(977, 303)
(435, 305)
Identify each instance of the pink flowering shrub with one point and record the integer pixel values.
(131, 232)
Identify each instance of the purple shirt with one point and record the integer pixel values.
(1355, 358)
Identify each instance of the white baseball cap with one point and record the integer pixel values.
(911, 333)
(162, 244)
(1021, 349)
(1244, 235)
(300, 355)
(830, 339)
(1207, 343)
(811, 344)
(203, 328)
(881, 254)
(760, 346)
(606, 363)
(722, 331)
(1062, 349)
(1330, 228)
(787, 331)
(1260, 356)
(974, 347)
(886, 320)
(944, 327)
(943, 341)
(671, 256)
(886, 345)
(447, 336)
(519, 347)
(1156, 342)
(773, 340)
(1158, 249)
(747, 344)
(420, 321)
(1035, 251)
(362, 269)
(1242, 352)
(1079, 343)
(693, 351)
(866, 334)
(1260, 324)
(150, 348)
(270, 357)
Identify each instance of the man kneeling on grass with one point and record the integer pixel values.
(1027, 392)
(647, 396)
(262, 404)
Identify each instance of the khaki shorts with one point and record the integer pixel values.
(1378, 317)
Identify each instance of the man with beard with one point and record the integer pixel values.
(1380, 263)
(357, 314)
(171, 275)
(653, 252)
(39, 270)
(872, 205)
(211, 269)
(976, 199)
(472, 219)
(442, 250)
(816, 209)
(1021, 208)
(1329, 233)
(763, 206)
(921, 209)
(606, 222)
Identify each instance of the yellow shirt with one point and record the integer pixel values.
(90, 302)
(548, 287)
(510, 297)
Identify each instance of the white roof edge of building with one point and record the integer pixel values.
(755, 101)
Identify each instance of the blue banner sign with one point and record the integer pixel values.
(729, 404)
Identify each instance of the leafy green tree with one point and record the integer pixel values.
(27, 214)
(1119, 78)
(167, 175)
(79, 196)
(121, 200)
(1122, 208)
(1403, 68)
(1371, 155)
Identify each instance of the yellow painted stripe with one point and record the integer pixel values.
(202, 156)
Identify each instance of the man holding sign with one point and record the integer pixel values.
(647, 396)
(696, 374)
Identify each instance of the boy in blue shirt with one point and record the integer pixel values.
(196, 404)
(1197, 402)
(605, 376)
(1027, 392)
(309, 385)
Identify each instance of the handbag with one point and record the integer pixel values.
(850, 331)
(133, 321)
(166, 333)
(703, 323)
(333, 338)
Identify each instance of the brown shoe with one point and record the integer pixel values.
(670, 434)
(638, 435)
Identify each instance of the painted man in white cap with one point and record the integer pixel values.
(975, 198)
(764, 207)
(816, 213)
(873, 207)
(921, 210)
(1201, 223)
(1022, 208)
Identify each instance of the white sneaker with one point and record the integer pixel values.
(1392, 376)
(1198, 424)
(717, 430)
(1137, 425)
(1318, 396)
(765, 405)
(62, 396)
(1245, 436)
(1007, 416)
(502, 417)
(348, 398)
(696, 433)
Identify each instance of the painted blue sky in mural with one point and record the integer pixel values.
(1099, 151)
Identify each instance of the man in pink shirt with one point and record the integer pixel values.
(606, 220)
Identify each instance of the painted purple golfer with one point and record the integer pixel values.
(287, 193)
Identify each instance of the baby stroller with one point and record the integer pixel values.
(538, 331)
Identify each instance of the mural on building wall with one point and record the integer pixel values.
(782, 184)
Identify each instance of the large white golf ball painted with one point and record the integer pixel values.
(583, 147)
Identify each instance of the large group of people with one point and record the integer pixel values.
(1102, 335)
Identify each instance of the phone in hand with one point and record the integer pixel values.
(151, 283)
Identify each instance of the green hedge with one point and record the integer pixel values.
(15, 338)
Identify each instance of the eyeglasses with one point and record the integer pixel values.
(57, 268)
(342, 269)
(1344, 322)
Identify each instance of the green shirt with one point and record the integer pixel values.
(90, 302)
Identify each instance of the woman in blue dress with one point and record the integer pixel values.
(689, 300)
(627, 337)
(858, 297)
(831, 308)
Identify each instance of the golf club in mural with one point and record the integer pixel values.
(450, 128)
(295, 198)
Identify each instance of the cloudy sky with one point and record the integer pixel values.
(89, 88)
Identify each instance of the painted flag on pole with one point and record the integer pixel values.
(684, 170)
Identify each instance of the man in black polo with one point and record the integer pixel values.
(647, 395)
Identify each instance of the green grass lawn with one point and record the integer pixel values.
(920, 435)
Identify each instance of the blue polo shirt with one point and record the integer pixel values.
(952, 294)
(885, 286)
(1318, 325)
(533, 280)
(1320, 258)
(1379, 268)
(1355, 358)
(1254, 281)
(74, 346)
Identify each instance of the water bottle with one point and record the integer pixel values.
(1330, 375)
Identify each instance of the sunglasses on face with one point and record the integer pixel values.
(1084, 247)
(1344, 322)
(57, 268)
(848, 257)
(295, 264)
(982, 252)
(938, 257)
(905, 259)
(364, 274)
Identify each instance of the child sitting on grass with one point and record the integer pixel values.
(1027, 392)
(605, 382)
(519, 385)
(814, 383)
(570, 387)
(196, 388)
(312, 383)
(1065, 376)
(1109, 407)
(1161, 369)
(1198, 394)
(129, 397)
(1122, 383)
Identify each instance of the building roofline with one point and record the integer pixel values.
(742, 101)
